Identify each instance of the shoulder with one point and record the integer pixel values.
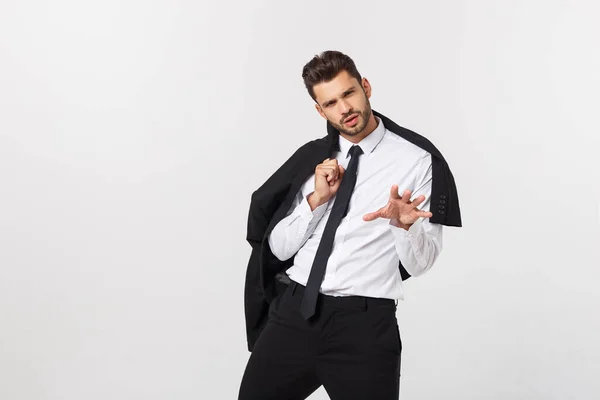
(411, 137)
(406, 149)
(308, 148)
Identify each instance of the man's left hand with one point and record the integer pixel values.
(400, 210)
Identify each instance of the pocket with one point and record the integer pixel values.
(397, 329)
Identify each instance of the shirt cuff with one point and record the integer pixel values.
(413, 232)
(305, 211)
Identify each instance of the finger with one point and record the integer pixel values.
(425, 214)
(394, 192)
(373, 215)
(329, 171)
(340, 176)
(418, 201)
(406, 196)
(325, 166)
(331, 164)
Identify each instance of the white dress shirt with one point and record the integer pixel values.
(365, 255)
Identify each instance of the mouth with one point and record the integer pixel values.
(352, 120)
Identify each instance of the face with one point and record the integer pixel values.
(344, 102)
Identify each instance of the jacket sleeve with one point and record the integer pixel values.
(266, 199)
(444, 195)
(263, 204)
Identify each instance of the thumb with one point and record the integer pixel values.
(372, 215)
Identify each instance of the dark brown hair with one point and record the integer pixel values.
(325, 67)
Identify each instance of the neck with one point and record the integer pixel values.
(371, 125)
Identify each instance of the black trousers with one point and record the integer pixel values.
(351, 346)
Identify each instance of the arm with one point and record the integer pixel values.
(419, 244)
(290, 234)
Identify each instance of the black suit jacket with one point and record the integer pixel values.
(271, 201)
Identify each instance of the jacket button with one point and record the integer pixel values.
(442, 201)
(441, 211)
(442, 196)
(441, 207)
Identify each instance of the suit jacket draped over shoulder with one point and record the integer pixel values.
(265, 277)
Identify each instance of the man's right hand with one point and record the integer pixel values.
(328, 176)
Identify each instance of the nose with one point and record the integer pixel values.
(344, 107)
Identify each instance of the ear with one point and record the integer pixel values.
(320, 110)
(367, 87)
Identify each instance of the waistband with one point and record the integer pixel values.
(297, 289)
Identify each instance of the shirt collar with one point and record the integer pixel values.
(368, 144)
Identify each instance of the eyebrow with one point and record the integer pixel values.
(350, 89)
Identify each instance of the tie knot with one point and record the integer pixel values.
(355, 151)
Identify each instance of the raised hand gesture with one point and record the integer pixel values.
(400, 210)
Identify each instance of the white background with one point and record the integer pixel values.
(132, 134)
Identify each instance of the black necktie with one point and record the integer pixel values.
(338, 211)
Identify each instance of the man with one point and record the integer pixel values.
(333, 239)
